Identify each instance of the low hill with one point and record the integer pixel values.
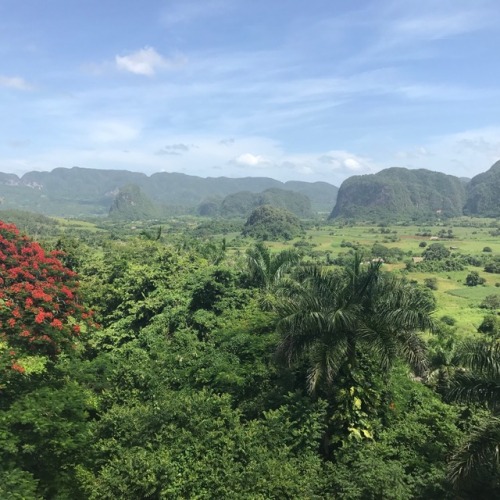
(131, 203)
(483, 193)
(272, 223)
(84, 191)
(242, 203)
(321, 194)
(400, 193)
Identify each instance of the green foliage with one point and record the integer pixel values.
(490, 325)
(266, 270)
(473, 279)
(448, 320)
(491, 302)
(431, 283)
(493, 266)
(270, 223)
(408, 458)
(180, 393)
(436, 251)
(194, 444)
(389, 255)
(474, 466)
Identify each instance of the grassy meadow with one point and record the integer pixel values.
(454, 298)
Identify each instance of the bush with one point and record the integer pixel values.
(436, 251)
(493, 266)
(490, 325)
(491, 302)
(473, 279)
(487, 249)
(431, 283)
(448, 320)
(422, 244)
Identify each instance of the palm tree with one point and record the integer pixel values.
(443, 361)
(268, 270)
(335, 316)
(479, 382)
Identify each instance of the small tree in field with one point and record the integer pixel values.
(473, 279)
(40, 315)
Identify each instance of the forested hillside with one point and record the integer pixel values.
(242, 203)
(483, 193)
(399, 193)
(141, 363)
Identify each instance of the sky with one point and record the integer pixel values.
(315, 90)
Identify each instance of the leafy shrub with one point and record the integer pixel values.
(422, 244)
(487, 249)
(431, 283)
(473, 279)
(490, 325)
(436, 251)
(448, 320)
(491, 302)
(493, 266)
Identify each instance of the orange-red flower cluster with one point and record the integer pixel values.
(39, 308)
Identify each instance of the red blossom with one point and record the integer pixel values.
(18, 368)
(56, 323)
(40, 296)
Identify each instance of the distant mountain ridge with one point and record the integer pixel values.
(393, 193)
(81, 191)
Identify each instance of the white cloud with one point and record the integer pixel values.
(435, 26)
(145, 61)
(14, 82)
(345, 161)
(250, 160)
(463, 154)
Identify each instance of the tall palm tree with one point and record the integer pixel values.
(267, 270)
(478, 382)
(335, 316)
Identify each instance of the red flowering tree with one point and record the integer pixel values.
(40, 315)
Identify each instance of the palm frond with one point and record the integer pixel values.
(469, 387)
(481, 451)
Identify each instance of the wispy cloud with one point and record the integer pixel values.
(175, 149)
(464, 154)
(146, 61)
(15, 82)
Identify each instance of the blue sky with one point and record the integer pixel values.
(290, 89)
